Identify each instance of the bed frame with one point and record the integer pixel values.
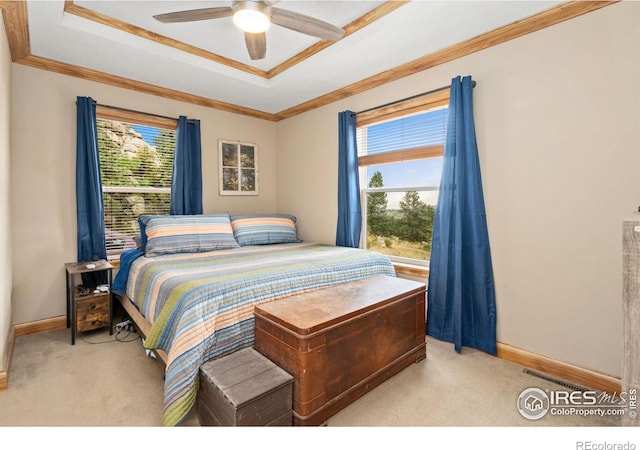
(142, 325)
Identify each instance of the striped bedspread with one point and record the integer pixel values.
(201, 305)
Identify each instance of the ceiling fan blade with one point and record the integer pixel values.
(256, 45)
(305, 24)
(195, 14)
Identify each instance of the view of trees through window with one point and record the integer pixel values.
(404, 231)
(402, 159)
(136, 164)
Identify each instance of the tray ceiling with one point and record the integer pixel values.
(208, 59)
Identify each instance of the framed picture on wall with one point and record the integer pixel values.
(238, 163)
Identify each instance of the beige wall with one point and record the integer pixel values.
(5, 235)
(557, 120)
(43, 206)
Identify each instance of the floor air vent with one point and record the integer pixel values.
(559, 381)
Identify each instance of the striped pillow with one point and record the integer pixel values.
(189, 234)
(259, 229)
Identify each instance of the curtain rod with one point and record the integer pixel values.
(142, 112)
(433, 91)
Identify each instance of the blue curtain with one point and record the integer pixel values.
(89, 204)
(461, 297)
(349, 212)
(186, 182)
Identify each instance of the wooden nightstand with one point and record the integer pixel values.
(91, 311)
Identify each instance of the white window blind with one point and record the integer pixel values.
(136, 163)
(422, 129)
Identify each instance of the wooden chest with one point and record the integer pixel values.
(244, 389)
(342, 341)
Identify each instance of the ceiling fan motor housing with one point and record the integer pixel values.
(251, 16)
(251, 5)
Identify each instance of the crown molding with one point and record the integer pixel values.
(16, 26)
(71, 8)
(356, 25)
(138, 86)
(85, 13)
(544, 19)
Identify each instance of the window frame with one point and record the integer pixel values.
(386, 113)
(135, 118)
(238, 167)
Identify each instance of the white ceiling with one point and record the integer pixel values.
(414, 30)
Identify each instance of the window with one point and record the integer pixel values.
(238, 168)
(136, 164)
(400, 153)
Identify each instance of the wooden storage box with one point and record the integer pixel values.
(244, 389)
(342, 341)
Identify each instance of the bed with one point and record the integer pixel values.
(193, 284)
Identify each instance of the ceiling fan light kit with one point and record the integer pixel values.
(252, 17)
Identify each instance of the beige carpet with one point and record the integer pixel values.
(108, 380)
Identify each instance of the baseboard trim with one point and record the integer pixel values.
(4, 373)
(565, 371)
(54, 323)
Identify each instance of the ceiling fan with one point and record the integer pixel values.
(254, 18)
